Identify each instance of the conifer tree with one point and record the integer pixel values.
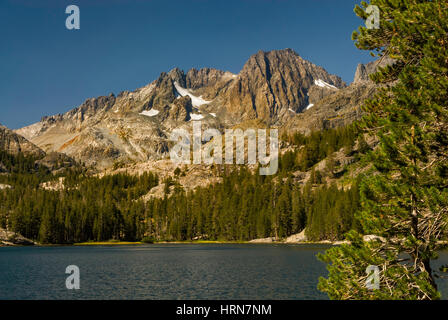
(405, 197)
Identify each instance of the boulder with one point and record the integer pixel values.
(264, 240)
(12, 238)
(372, 237)
(296, 238)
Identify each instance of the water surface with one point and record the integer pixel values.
(168, 271)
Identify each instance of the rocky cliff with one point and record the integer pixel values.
(333, 110)
(14, 143)
(274, 84)
(363, 71)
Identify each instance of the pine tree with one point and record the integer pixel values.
(405, 197)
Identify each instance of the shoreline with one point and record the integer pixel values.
(137, 243)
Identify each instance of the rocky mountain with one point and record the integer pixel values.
(364, 70)
(274, 84)
(333, 110)
(276, 88)
(14, 144)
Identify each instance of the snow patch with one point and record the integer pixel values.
(150, 113)
(213, 114)
(291, 110)
(323, 84)
(195, 101)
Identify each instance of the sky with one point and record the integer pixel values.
(47, 69)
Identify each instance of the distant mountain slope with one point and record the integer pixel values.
(14, 143)
(276, 88)
(363, 71)
(335, 109)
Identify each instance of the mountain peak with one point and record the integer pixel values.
(272, 87)
(286, 51)
(273, 83)
(363, 71)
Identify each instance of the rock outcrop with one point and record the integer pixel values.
(334, 110)
(331, 108)
(363, 71)
(180, 110)
(12, 238)
(317, 93)
(14, 143)
(264, 240)
(297, 238)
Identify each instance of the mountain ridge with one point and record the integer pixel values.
(273, 87)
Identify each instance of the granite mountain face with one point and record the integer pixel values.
(14, 143)
(364, 70)
(274, 84)
(276, 88)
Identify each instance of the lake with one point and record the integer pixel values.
(167, 271)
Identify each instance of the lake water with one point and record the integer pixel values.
(168, 271)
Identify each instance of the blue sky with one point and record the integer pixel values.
(47, 69)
